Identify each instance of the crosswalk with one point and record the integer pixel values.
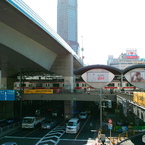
(52, 137)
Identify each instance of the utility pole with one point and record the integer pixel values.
(82, 49)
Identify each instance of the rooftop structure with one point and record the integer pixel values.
(125, 59)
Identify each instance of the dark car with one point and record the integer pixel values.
(48, 124)
(13, 120)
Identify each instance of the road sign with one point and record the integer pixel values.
(7, 95)
(110, 126)
(110, 121)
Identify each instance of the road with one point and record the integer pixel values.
(57, 135)
(38, 136)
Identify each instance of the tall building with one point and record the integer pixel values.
(67, 22)
(125, 59)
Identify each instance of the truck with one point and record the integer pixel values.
(31, 122)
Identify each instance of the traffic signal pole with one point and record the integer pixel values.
(101, 108)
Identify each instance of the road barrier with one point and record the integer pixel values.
(9, 128)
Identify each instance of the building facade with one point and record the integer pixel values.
(125, 59)
(67, 22)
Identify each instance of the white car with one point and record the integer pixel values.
(73, 125)
(83, 115)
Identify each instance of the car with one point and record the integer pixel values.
(9, 143)
(73, 125)
(83, 115)
(13, 120)
(48, 123)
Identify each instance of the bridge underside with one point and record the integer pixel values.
(68, 97)
(25, 46)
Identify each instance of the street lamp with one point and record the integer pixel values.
(82, 49)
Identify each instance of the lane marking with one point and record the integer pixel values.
(31, 132)
(82, 128)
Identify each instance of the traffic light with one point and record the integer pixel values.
(17, 95)
(109, 104)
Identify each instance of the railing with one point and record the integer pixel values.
(9, 128)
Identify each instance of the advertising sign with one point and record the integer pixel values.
(97, 77)
(7, 95)
(131, 53)
(138, 76)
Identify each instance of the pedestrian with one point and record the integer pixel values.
(88, 91)
(85, 90)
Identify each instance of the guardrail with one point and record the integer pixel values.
(9, 128)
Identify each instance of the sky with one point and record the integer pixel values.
(105, 27)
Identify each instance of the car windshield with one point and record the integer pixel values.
(28, 120)
(47, 121)
(72, 123)
(83, 114)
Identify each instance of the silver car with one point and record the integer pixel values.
(9, 143)
(83, 115)
(48, 124)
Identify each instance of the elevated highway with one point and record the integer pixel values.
(29, 47)
(28, 44)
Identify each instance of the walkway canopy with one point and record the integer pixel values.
(82, 70)
(112, 69)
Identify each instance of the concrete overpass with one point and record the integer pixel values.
(28, 44)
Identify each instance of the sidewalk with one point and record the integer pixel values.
(111, 140)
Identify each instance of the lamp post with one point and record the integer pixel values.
(82, 48)
(101, 108)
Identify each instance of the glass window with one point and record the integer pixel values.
(72, 2)
(111, 85)
(55, 85)
(39, 85)
(71, 25)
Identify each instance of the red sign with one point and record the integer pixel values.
(131, 56)
(110, 121)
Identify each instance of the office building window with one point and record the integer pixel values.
(71, 2)
(71, 25)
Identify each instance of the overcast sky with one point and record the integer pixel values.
(108, 27)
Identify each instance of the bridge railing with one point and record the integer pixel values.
(9, 128)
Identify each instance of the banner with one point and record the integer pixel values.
(97, 77)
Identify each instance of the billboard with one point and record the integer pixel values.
(137, 76)
(38, 91)
(7, 95)
(97, 77)
(131, 53)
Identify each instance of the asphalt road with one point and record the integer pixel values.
(57, 135)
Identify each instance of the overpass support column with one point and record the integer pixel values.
(6, 82)
(68, 109)
(68, 73)
(64, 65)
(3, 81)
